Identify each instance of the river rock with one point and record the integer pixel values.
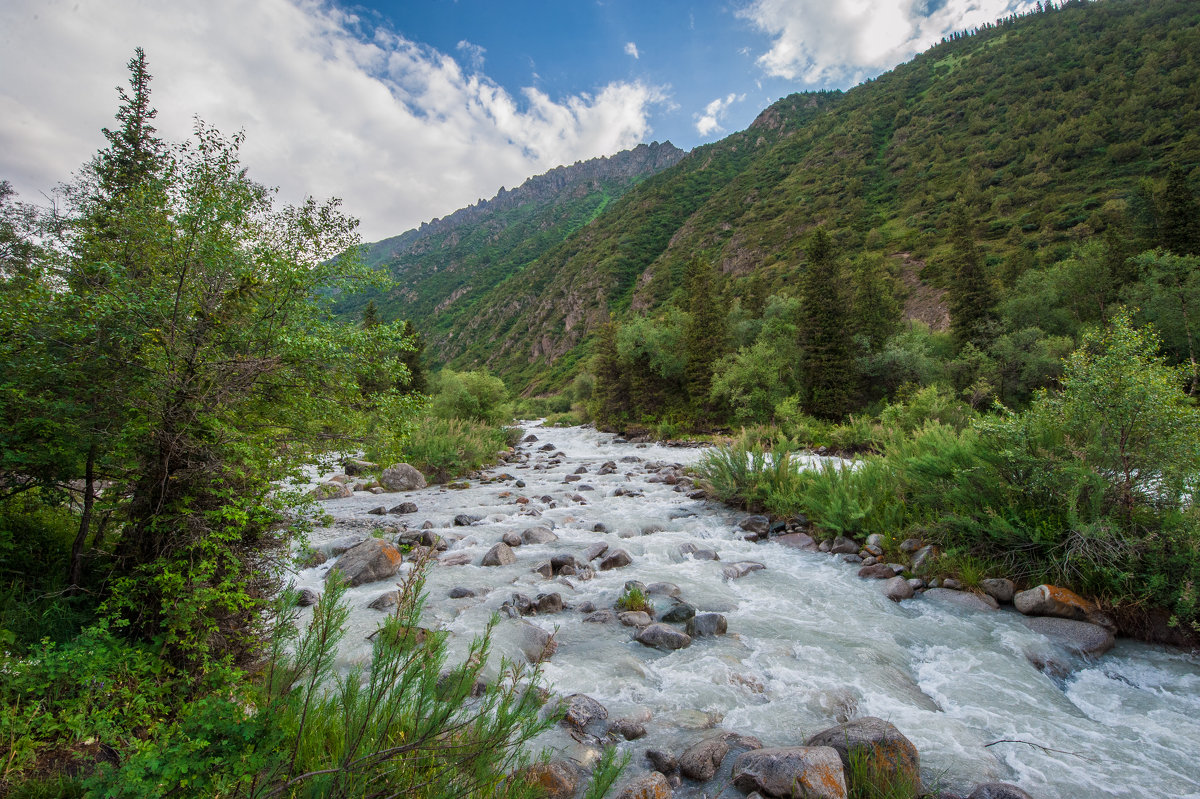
(735, 571)
(459, 592)
(385, 601)
(897, 589)
(403, 508)
(380, 511)
(307, 597)
(843, 546)
(1051, 600)
(402, 477)
(615, 560)
(538, 535)
(536, 644)
(561, 562)
(368, 562)
(879, 571)
(893, 756)
(511, 538)
(679, 612)
(663, 589)
(331, 490)
(801, 772)
(466, 519)
(964, 599)
(910, 545)
(660, 636)
(701, 761)
(651, 785)
(759, 525)
(797, 541)
(558, 779)
(544, 568)
(634, 618)
(998, 790)
(1081, 637)
(1000, 589)
(355, 467)
(629, 729)
(697, 553)
(549, 603)
(499, 555)
(582, 710)
(707, 624)
(454, 559)
(663, 762)
(596, 550)
(602, 616)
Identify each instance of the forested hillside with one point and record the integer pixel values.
(1040, 134)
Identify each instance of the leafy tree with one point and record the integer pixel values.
(827, 365)
(1168, 295)
(471, 395)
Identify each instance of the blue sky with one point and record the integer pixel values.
(409, 110)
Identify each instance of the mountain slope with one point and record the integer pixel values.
(446, 265)
(1043, 126)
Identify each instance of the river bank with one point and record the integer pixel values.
(807, 645)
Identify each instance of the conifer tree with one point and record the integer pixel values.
(610, 395)
(704, 336)
(827, 366)
(1179, 215)
(972, 298)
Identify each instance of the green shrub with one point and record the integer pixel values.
(446, 448)
(475, 396)
(634, 598)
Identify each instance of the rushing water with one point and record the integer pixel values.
(809, 643)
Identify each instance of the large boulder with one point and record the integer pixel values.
(797, 541)
(355, 467)
(660, 636)
(582, 710)
(797, 772)
(759, 525)
(897, 589)
(889, 757)
(368, 562)
(1000, 589)
(735, 571)
(402, 477)
(701, 761)
(707, 624)
(651, 785)
(331, 490)
(1081, 637)
(615, 560)
(538, 535)
(536, 644)
(1051, 600)
(499, 555)
(558, 779)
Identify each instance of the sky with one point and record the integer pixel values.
(411, 109)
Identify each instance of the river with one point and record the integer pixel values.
(808, 643)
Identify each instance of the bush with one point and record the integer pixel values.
(446, 448)
(474, 396)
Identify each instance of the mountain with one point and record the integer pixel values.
(1045, 128)
(444, 268)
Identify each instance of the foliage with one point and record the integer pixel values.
(634, 598)
(826, 371)
(403, 725)
(470, 396)
(443, 449)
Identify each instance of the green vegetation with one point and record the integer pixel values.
(167, 363)
(1090, 487)
(634, 598)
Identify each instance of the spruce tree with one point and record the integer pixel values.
(704, 336)
(827, 367)
(971, 296)
(610, 396)
(1179, 215)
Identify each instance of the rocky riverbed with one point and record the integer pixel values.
(783, 643)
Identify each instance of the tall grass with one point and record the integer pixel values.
(446, 448)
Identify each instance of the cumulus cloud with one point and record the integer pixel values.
(631, 49)
(845, 41)
(331, 105)
(473, 53)
(709, 121)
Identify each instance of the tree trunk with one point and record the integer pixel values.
(85, 521)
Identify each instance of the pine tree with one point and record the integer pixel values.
(610, 396)
(704, 336)
(414, 359)
(827, 367)
(1179, 215)
(370, 315)
(972, 298)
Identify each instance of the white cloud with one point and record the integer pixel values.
(631, 49)
(845, 41)
(473, 53)
(330, 106)
(709, 121)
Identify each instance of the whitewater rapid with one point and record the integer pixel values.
(809, 643)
